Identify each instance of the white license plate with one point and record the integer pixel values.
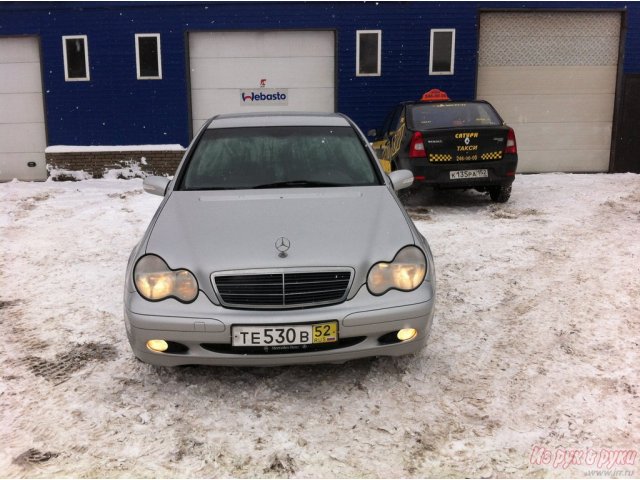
(480, 173)
(269, 336)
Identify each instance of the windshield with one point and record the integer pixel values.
(277, 157)
(452, 114)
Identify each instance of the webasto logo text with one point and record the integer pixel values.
(265, 97)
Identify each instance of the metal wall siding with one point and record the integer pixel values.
(115, 108)
(632, 42)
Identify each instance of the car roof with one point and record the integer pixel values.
(279, 119)
(419, 102)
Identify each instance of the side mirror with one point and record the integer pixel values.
(401, 179)
(155, 185)
(372, 133)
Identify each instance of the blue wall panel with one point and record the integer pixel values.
(115, 108)
(632, 40)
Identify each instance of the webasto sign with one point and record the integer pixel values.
(264, 96)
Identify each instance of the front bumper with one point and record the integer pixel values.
(501, 172)
(365, 316)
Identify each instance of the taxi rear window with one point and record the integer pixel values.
(452, 114)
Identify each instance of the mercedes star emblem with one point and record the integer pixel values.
(282, 245)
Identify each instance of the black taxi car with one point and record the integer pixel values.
(449, 144)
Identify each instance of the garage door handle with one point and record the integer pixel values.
(31, 164)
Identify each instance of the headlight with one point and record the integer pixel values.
(156, 281)
(406, 272)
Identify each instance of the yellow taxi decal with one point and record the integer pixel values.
(386, 165)
(392, 146)
(467, 135)
(377, 145)
(491, 156)
(439, 157)
(467, 148)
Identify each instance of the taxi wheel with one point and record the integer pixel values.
(500, 194)
(404, 195)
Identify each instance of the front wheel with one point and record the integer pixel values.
(405, 195)
(500, 194)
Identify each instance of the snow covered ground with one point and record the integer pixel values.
(534, 350)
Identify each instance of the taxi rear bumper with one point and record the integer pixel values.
(499, 172)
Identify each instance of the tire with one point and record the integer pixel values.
(405, 195)
(500, 194)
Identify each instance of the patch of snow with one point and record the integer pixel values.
(61, 174)
(113, 148)
(131, 170)
(534, 345)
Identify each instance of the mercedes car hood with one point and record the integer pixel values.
(214, 231)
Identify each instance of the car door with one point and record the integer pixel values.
(392, 139)
(378, 141)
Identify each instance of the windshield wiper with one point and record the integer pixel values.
(299, 183)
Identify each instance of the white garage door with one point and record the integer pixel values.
(552, 77)
(235, 72)
(22, 131)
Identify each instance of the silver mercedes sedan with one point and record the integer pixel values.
(280, 240)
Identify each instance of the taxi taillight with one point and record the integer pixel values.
(511, 146)
(416, 148)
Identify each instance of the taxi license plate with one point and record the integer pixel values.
(480, 173)
(279, 335)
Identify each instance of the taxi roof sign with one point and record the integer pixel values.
(435, 95)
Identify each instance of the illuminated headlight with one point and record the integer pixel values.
(156, 281)
(406, 272)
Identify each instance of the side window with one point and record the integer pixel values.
(148, 58)
(368, 43)
(75, 52)
(442, 51)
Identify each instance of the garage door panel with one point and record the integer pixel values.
(14, 165)
(324, 102)
(20, 78)
(22, 138)
(22, 127)
(552, 77)
(573, 160)
(574, 25)
(261, 44)
(19, 50)
(510, 80)
(600, 48)
(222, 64)
(21, 108)
(549, 136)
(516, 109)
(549, 38)
(206, 103)
(279, 72)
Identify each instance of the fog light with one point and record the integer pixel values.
(157, 345)
(407, 334)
